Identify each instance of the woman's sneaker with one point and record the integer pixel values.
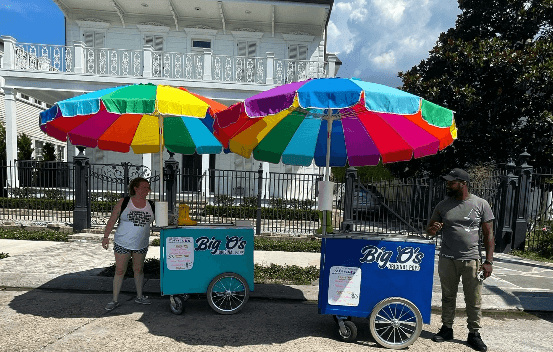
(143, 300)
(112, 305)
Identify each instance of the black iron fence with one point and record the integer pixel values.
(37, 191)
(83, 195)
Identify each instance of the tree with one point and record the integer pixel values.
(494, 69)
(24, 147)
(48, 152)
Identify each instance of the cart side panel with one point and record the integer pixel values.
(210, 258)
(388, 269)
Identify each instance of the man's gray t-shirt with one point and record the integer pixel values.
(462, 220)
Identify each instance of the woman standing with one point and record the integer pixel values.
(131, 238)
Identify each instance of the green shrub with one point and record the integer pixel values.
(36, 203)
(249, 202)
(4, 255)
(223, 200)
(266, 213)
(42, 235)
(291, 245)
(273, 274)
(23, 192)
(277, 203)
(288, 275)
(54, 194)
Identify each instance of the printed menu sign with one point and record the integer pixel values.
(180, 253)
(344, 286)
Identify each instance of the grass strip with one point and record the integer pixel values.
(273, 274)
(41, 235)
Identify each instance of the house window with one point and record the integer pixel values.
(297, 52)
(156, 41)
(38, 150)
(60, 152)
(246, 48)
(24, 96)
(94, 39)
(201, 44)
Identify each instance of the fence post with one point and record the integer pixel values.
(524, 172)
(259, 193)
(504, 228)
(81, 212)
(170, 178)
(126, 180)
(347, 199)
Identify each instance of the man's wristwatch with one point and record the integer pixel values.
(488, 262)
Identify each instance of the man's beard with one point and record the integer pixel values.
(451, 192)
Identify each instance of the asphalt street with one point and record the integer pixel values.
(46, 320)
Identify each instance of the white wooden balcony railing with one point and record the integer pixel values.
(198, 66)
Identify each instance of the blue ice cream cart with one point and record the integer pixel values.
(387, 279)
(216, 260)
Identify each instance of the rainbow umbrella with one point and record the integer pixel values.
(369, 122)
(144, 117)
(335, 121)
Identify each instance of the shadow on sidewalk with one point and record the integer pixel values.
(261, 322)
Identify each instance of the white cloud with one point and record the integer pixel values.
(340, 40)
(391, 9)
(385, 60)
(378, 38)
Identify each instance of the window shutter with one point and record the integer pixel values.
(99, 40)
(158, 43)
(302, 52)
(293, 52)
(252, 46)
(149, 40)
(89, 39)
(242, 48)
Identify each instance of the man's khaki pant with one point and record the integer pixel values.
(450, 272)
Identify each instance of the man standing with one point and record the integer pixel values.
(460, 217)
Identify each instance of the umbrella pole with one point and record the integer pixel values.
(161, 190)
(327, 167)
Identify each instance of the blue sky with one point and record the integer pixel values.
(375, 39)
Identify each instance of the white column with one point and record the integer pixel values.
(270, 68)
(80, 59)
(205, 174)
(11, 134)
(147, 161)
(331, 65)
(147, 51)
(265, 168)
(9, 52)
(207, 65)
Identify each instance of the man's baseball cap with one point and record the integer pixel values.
(457, 174)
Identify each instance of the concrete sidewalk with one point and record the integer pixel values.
(516, 284)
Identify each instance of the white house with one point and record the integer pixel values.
(225, 50)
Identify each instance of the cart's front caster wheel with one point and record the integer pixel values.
(335, 317)
(177, 304)
(228, 293)
(395, 323)
(347, 330)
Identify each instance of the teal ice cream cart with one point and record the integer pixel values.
(216, 260)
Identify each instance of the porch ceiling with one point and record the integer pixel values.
(241, 11)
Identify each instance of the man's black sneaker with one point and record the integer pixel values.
(444, 334)
(475, 341)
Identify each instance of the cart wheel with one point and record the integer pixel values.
(348, 332)
(177, 304)
(395, 323)
(335, 317)
(228, 293)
